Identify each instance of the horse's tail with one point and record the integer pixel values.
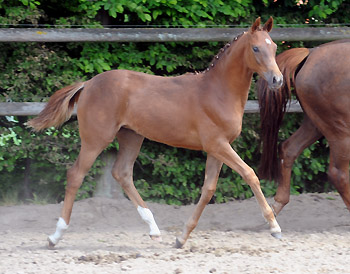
(273, 107)
(59, 108)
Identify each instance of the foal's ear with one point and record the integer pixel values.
(256, 25)
(268, 25)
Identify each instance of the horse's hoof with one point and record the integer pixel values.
(178, 244)
(277, 235)
(157, 238)
(50, 245)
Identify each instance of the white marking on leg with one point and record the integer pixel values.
(61, 227)
(147, 216)
(275, 228)
(268, 41)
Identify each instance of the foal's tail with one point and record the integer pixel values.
(273, 107)
(59, 108)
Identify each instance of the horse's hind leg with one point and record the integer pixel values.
(129, 147)
(290, 149)
(338, 171)
(75, 176)
(95, 134)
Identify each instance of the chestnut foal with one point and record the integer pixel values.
(200, 111)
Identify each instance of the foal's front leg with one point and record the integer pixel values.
(212, 170)
(224, 152)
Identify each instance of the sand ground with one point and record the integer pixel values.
(108, 236)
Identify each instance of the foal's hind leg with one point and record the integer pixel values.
(129, 148)
(95, 134)
(75, 176)
(290, 149)
(339, 168)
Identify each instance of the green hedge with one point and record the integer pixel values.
(34, 164)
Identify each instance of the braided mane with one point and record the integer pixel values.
(221, 52)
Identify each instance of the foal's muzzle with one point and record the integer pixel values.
(275, 81)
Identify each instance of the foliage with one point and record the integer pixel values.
(305, 11)
(166, 13)
(33, 71)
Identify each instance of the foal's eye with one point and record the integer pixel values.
(255, 49)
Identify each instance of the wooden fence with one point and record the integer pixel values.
(31, 108)
(155, 35)
(165, 34)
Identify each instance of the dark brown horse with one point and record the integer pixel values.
(195, 111)
(321, 81)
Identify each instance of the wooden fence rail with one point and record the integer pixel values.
(164, 34)
(155, 35)
(31, 108)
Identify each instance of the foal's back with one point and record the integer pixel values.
(163, 109)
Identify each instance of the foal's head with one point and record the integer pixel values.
(261, 52)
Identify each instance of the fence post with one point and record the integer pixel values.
(106, 185)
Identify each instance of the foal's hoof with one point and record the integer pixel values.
(157, 238)
(50, 245)
(178, 243)
(277, 235)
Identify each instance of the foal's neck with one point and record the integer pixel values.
(232, 72)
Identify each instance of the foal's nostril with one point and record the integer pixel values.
(274, 80)
(277, 81)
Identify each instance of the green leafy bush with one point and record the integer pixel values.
(33, 71)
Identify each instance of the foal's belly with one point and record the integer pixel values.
(170, 135)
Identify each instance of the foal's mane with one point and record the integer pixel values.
(221, 52)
